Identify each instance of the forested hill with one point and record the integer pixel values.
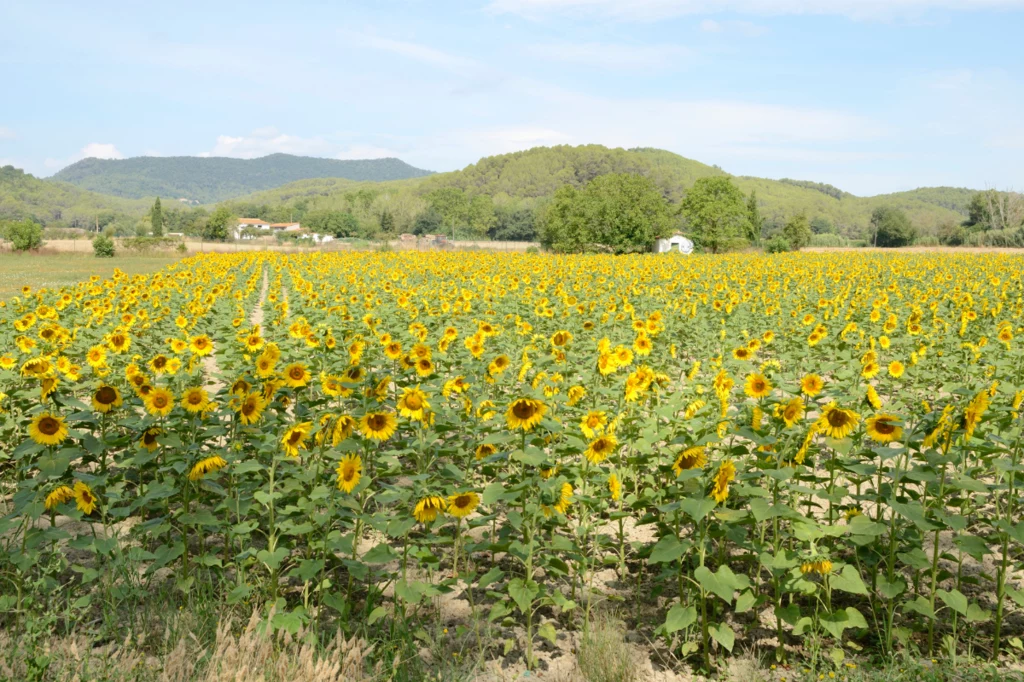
(26, 197)
(210, 180)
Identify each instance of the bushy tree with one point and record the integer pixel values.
(822, 225)
(220, 225)
(891, 227)
(755, 221)
(387, 222)
(23, 235)
(777, 244)
(797, 232)
(429, 221)
(716, 212)
(618, 212)
(156, 219)
(513, 224)
(103, 246)
(340, 224)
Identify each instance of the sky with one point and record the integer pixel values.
(872, 96)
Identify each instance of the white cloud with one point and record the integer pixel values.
(365, 151)
(606, 55)
(97, 150)
(269, 140)
(6, 133)
(652, 10)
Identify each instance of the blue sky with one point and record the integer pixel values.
(870, 95)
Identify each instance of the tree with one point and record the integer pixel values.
(1005, 209)
(387, 222)
(716, 212)
(24, 235)
(480, 215)
(797, 232)
(513, 224)
(340, 224)
(156, 219)
(429, 221)
(451, 203)
(618, 212)
(892, 227)
(103, 246)
(754, 219)
(822, 225)
(220, 225)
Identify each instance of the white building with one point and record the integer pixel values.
(285, 227)
(676, 242)
(249, 224)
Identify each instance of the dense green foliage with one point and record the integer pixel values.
(891, 227)
(716, 213)
(156, 219)
(777, 244)
(25, 197)
(618, 212)
(824, 188)
(24, 235)
(340, 224)
(103, 246)
(797, 231)
(209, 180)
(220, 225)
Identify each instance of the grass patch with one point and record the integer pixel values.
(63, 269)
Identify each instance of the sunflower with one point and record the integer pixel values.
(691, 458)
(378, 425)
(195, 400)
(59, 495)
(836, 422)
(614, 487)
(723, 477)
(333, 387)
(105, 398)
(158, 364)
(294, 439)
(201, 345)
(159, 402)
(48, 429)
(757, 386)
(820, 566)
(424, 367)
(296, 375)
(525, 413)
(564, 499)
(250, 410)
(485, 450)
(96, 356)
(811, 385)
(350, 470)
(179, 346)
(883, 428)
(85, 500)
(427, 509)
(253, 342)
(575, 394)
(896, 369)
(592, 422)
(393, 350)
(463, 504)
(793, 411)
(206, 466)
(119, 342)
(47, 387)
(149, 438)
(413, 404)
(874, 400)
(742, 353)
(265, 366)
(600, 448)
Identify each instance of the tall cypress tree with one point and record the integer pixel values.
(156, 217)
(755, 219)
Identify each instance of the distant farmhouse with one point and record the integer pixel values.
(250, 228)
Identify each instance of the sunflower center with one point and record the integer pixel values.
(377, 422)
(413, 402)
(523, 410)
(149, 438)
(294, 437)
(837, 418)
(49, 426)
(106, 396)
(462, 501)
(884, 427)
(758, 386)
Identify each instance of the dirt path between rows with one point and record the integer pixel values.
(214, 380)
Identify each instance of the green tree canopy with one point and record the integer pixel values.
(514, 224)
(220, 225)
(891, 227)
(755, 220)
(156, 219)
(429, 221)
(716, 212)
(340, 224)
(619, 212)
(797, 232)
(23, 235)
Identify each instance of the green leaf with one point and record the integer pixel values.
(745, 601)
(522, 592)
(547, 631)
(491, 576)
(920, 605)
(976, 614)
(272, 559)
(891, 590)
(954, 600)
(679, 617)
(376, 615)
(379, 554)
(698, 508)
(789, 614)
(723, 634)
(721, 583)
(492, 493)
(667, 550)
(849, 580)
(835, 623)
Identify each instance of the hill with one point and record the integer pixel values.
(528, 177)
(24, 196)
(214, 179)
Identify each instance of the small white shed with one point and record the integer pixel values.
(676, 242)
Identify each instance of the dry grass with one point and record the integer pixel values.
(604, 655)
(62, 269)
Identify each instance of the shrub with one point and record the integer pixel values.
(777, 244)
(24, 236)
(798, 232)
(927, 240)
(532, 249)
(829, 240)
(103, 246)
(181, 248)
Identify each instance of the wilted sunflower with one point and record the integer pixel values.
(48, 429)
(883, 428)
(85, 500)
(195, 400)
(691, 458)
(820, 566)
(757, 386)
(614, 486)
(600, 448)
(836, 422)
(59, 495)
(793, 411)
(723, 477)
(350, 470)
(294, 439)
(485, 450)
(149, 438)
(105, 398)
(201, 345)
(378, 425)
(427, 509)
(525, 413)
(296, 375)
(207, 466)
(463, 504)
(413, 404)
(159, 402)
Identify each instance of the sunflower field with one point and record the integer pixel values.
(812, 456)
